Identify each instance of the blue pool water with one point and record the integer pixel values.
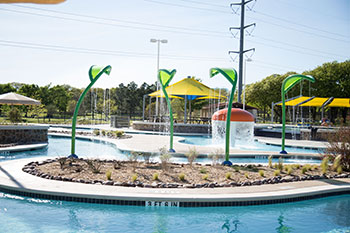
(61, 146)
(20, 214)
(204, 141)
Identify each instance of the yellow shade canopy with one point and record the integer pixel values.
(315, 102)
(295, 101)
(33, 1)
(340, 102)
(189, 88)
(305, 101)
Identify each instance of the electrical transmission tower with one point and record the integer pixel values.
(241, 43)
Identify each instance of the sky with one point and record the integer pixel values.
(57, 44)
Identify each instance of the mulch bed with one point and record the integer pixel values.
(173, 175)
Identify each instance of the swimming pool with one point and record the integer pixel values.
(254, 145)
(60, 147)
(21, 214)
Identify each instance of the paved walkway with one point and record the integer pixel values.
(13, 178)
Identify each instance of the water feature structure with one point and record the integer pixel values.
(231, 76)
(241, 125)
(164, 78)
(95, 73)
(287, 84)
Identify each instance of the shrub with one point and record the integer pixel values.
(339, 170)
(296, 166)
(286, 167)
(155, 176)
(94, 165)
(339, 144)
(314, 167)
(134, 177)
(109, 133)
(62, 162)
(216, 156)
(146, 156)
(203, 170)
(205, 177)
(133, 157)
(280, 164)
(228, 175)
(118, 133)
(236, 168)
(182, 176)
(164, 157)
(261, 173)
(103, 132)
(192, 155)
(289, 170)
(277, 172)
(304, 170)
(246, 175)
(336, 163)
(15, 115)
(109, 175)
(308, 167)
(96, 132)
(324, 165)
(270, 161)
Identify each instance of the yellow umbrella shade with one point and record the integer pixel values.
(190, 88)
(33, 1)
(12, 98)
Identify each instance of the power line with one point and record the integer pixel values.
(312, 10)
(204, 3)
(117, 20)
(296, 46)
(100, 51)
(223, 35)
(184, 6)
(108, 24)
(217, 33)
(299, 24)
(298, 30)
(256, 19)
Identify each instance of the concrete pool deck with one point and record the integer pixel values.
(152, 143)
(14, 181)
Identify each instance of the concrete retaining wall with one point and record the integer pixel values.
(23, 134)
(178, 128)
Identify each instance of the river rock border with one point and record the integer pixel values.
(31, 168)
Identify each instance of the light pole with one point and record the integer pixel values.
(245, 74)
(158, 41)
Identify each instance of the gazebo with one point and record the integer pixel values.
(12, 98)
(188, 89)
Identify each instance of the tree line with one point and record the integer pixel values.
(60, 100)
(332, 80)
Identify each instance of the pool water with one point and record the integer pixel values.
(61, 146)
(255, 145)
(21, 214)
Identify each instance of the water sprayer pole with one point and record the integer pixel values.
(75, 115)
(228, 124)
